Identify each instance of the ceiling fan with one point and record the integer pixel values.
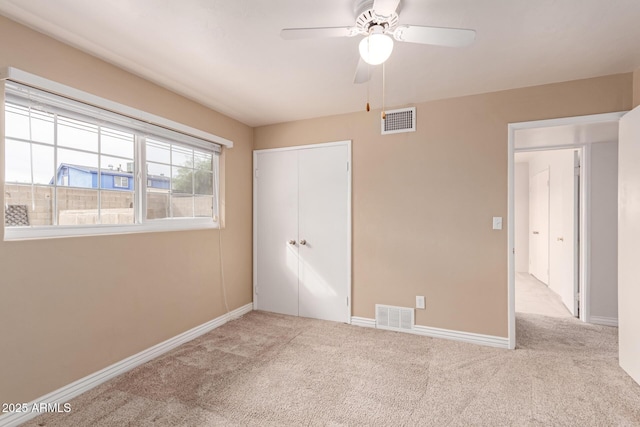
(378, 21)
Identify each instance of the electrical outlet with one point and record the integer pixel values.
(420, 302)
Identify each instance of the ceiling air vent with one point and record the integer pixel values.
(398, 121)
(394, 318)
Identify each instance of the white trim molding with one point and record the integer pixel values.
(604, 321)
(156, 225)
(428, 331)
(468, 337)
(68, 392)
(363, 321)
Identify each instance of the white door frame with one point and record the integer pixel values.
(578, 160)
(346, 143)
(584, 225)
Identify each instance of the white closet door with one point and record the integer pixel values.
(277, 224)
(323, 232)
(539, 217)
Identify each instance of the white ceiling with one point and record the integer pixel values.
(228, 55)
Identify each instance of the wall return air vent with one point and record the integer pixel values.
(398, 121)
(394, 318)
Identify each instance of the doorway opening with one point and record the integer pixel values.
(591, 137)
(547, 232)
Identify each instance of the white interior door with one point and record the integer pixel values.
(324, 232)
(276, 221)
(629, 243)
(539, 228)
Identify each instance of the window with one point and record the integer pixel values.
(61, 168)
(180, 181)
(121, 182)
(72, 168)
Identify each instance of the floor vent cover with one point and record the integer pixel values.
(394, 318)
(397, 121)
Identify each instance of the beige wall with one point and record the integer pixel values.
(69, 307)
(423, 201)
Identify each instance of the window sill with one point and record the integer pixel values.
(158, 225)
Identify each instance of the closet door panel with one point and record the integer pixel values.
(277, 226)
(323, 232)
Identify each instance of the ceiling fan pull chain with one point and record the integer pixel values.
(384, 78)
(368, 86)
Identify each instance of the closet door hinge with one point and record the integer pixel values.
(347, 166)
(256, 172)
(347, 301)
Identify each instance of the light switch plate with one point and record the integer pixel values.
(497, 223)
(419, 302)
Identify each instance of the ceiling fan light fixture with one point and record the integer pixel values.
(376, 47)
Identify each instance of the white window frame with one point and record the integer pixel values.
(140, 179)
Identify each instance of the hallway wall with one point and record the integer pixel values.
(521, 213)
(604, 234)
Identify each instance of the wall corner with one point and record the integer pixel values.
(636, 88)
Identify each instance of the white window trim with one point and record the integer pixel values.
(155, 225)
(19, 76)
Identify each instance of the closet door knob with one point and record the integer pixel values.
(303, 242)
(292, 242)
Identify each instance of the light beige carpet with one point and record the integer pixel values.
(266, 370)
(533, 296)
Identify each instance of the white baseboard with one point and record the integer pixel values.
(363, 321)
(487, 340)
(605, 321)
(68, 392)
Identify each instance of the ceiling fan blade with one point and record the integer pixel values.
(315, 33)
(385, 7)
(363, 73)
(452, 37)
